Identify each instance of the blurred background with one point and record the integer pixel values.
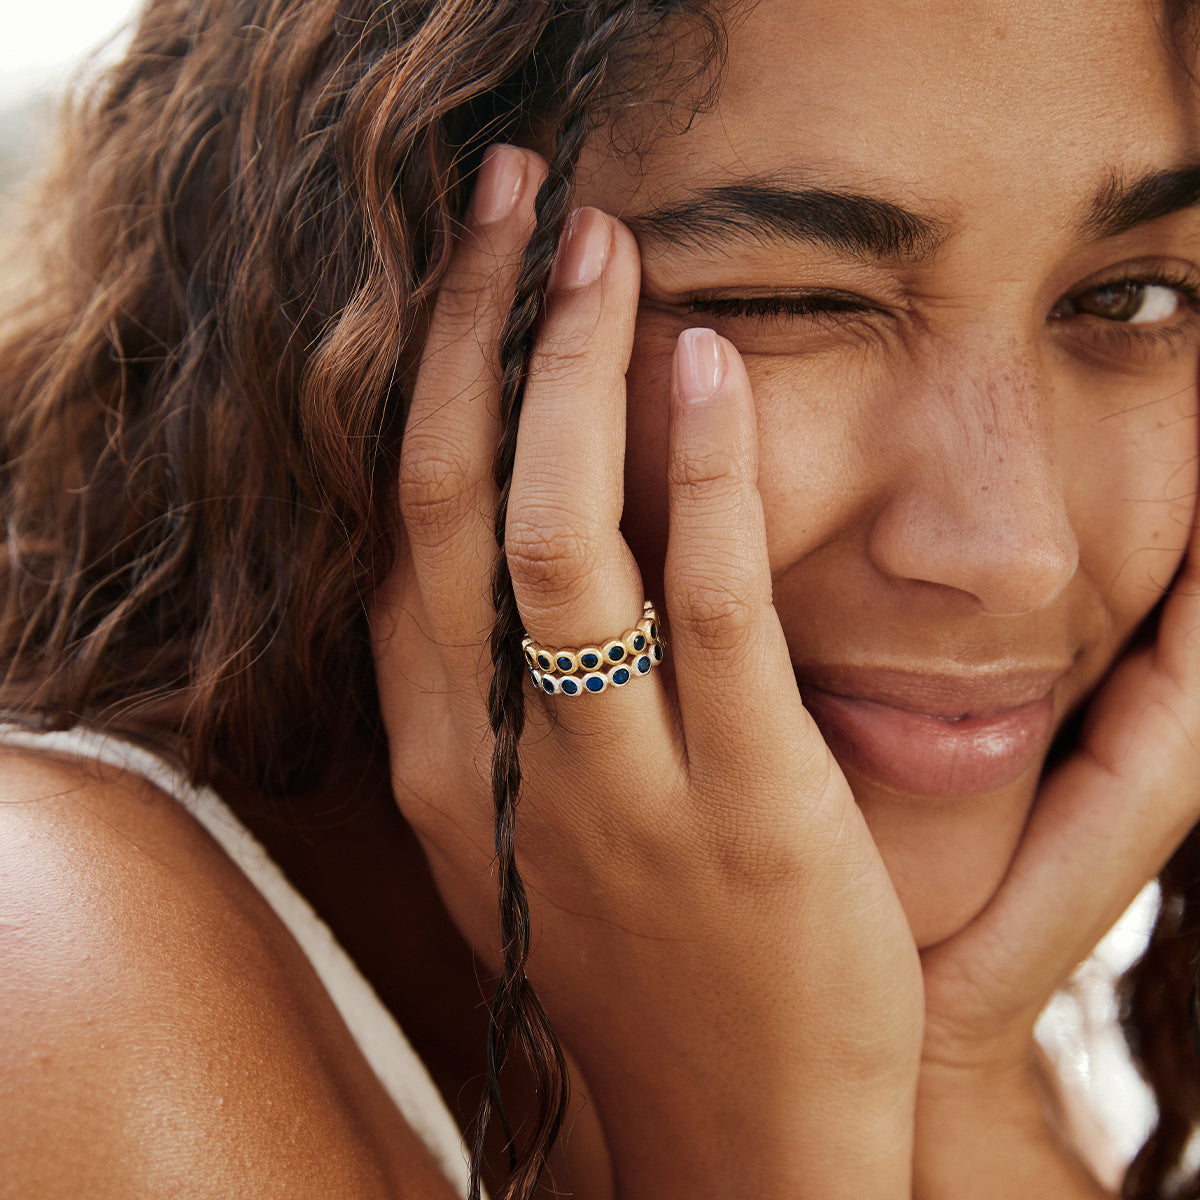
(42, 44)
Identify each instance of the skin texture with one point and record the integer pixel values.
(775, 974)
(955, 483)
(164, 1035)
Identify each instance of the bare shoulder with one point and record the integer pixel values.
(160, 1031)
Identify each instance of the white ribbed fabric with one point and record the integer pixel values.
(378, 1036)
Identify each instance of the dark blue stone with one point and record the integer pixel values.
(643, 665)
(545, 662)
(548, 686)
(565, 664)
(639, 642)
(594, 685)
(589, 661)
(569, 686)
(621, 676)
(617, 653)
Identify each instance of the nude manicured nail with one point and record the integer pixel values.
(699, 364)
(584, 249)
(501, 178)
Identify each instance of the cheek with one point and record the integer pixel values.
(820, 457)
(819, 446)
(1132, 495)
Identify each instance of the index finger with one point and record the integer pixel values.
(447, 494)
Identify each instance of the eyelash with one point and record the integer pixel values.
(817, 305)
(1183, 282)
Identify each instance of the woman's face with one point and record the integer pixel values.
(957, 244)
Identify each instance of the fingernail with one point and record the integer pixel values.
(584, 249)
(699, 365)
(498, 186)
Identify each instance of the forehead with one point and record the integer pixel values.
(935, 102)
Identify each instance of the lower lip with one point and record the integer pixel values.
(932, 756)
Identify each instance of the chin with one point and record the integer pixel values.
(947, 858)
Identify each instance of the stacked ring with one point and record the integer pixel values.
(571, 671)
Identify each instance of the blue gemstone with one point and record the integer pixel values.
(545, 662)
(589, 661)
(657, 652)
(617, 653)
(620, 676)
(595, 684)
(570, 687)
(654, 631)
(639, 642)
(643, 665)
(548, 686)
(565, 664)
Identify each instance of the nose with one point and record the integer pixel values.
(974, 500)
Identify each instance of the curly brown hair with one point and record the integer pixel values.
(202, 396)
(203, 392)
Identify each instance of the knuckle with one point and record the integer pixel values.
(697, 472)
(436, 485)
(560, 356)
(458, 301)
(708, 613)
(754, 855)
(549, 554)
(467, 293)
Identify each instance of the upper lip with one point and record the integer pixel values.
(977, 692)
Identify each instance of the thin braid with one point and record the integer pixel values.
(516, 1008)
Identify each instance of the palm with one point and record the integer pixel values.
(1105, 821)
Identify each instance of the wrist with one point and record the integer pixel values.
(852, 1156)
(989, 1129)
(668, 1135)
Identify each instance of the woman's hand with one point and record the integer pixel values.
(716, 938)
(1105, 822)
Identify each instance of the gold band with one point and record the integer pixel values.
(574, 670)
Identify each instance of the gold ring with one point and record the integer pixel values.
(574, 670)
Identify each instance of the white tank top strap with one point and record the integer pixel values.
(378, 1035)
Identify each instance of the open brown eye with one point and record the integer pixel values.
(1129, 300)
(1114, 301)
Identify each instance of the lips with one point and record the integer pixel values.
(938, 736)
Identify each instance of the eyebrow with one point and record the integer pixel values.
(872, 227)
(1125, 204)
(865, 226)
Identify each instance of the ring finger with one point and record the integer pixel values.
(574, 577)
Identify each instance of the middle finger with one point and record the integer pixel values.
(447, 496)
